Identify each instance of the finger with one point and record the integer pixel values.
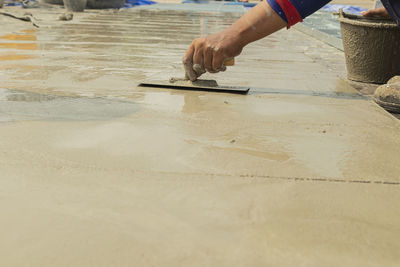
(368, 13)
(188, 64)
(218, 60)
(198, 69)
(198, 65)
(198, 61)
(380, 12)
(207, 56)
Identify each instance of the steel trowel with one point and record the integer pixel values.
(200, 84)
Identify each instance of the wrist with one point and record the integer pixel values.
(237, 38)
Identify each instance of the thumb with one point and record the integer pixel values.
(379, 12)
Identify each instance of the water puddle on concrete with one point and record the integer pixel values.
(258, 153)
(19, 105)
(163, 101)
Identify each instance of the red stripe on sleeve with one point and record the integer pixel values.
(292, 15)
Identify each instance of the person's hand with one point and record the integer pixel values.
(210, 52)
(377, 12)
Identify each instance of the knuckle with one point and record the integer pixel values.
(199, 41)
(219, 49)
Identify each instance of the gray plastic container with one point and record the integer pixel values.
(53, 2)
(371, 47)
(103, 4)
(75, 5)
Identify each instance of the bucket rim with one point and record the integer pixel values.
(367, 22)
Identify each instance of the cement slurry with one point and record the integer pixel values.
(95, 171)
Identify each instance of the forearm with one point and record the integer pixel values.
(257, 23)
(209, 53)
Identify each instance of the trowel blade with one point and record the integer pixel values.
(204, 85)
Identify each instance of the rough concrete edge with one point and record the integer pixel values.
(395, 116)
(192, 8)
(324, 37)
(367, 89)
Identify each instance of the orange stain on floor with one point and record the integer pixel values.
(19, 37)
(28, 31)
(21, 46)
(15, 57)
(26, 35)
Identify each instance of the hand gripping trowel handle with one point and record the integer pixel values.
(229, 61)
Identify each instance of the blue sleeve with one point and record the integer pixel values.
(304, 7)
(393, 7)
(275, 6)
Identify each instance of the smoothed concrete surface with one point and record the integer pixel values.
(95, 171)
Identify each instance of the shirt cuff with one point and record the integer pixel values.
(287, 11)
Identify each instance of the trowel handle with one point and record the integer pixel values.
(229, 61)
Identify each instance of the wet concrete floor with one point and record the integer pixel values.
(96, 171)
